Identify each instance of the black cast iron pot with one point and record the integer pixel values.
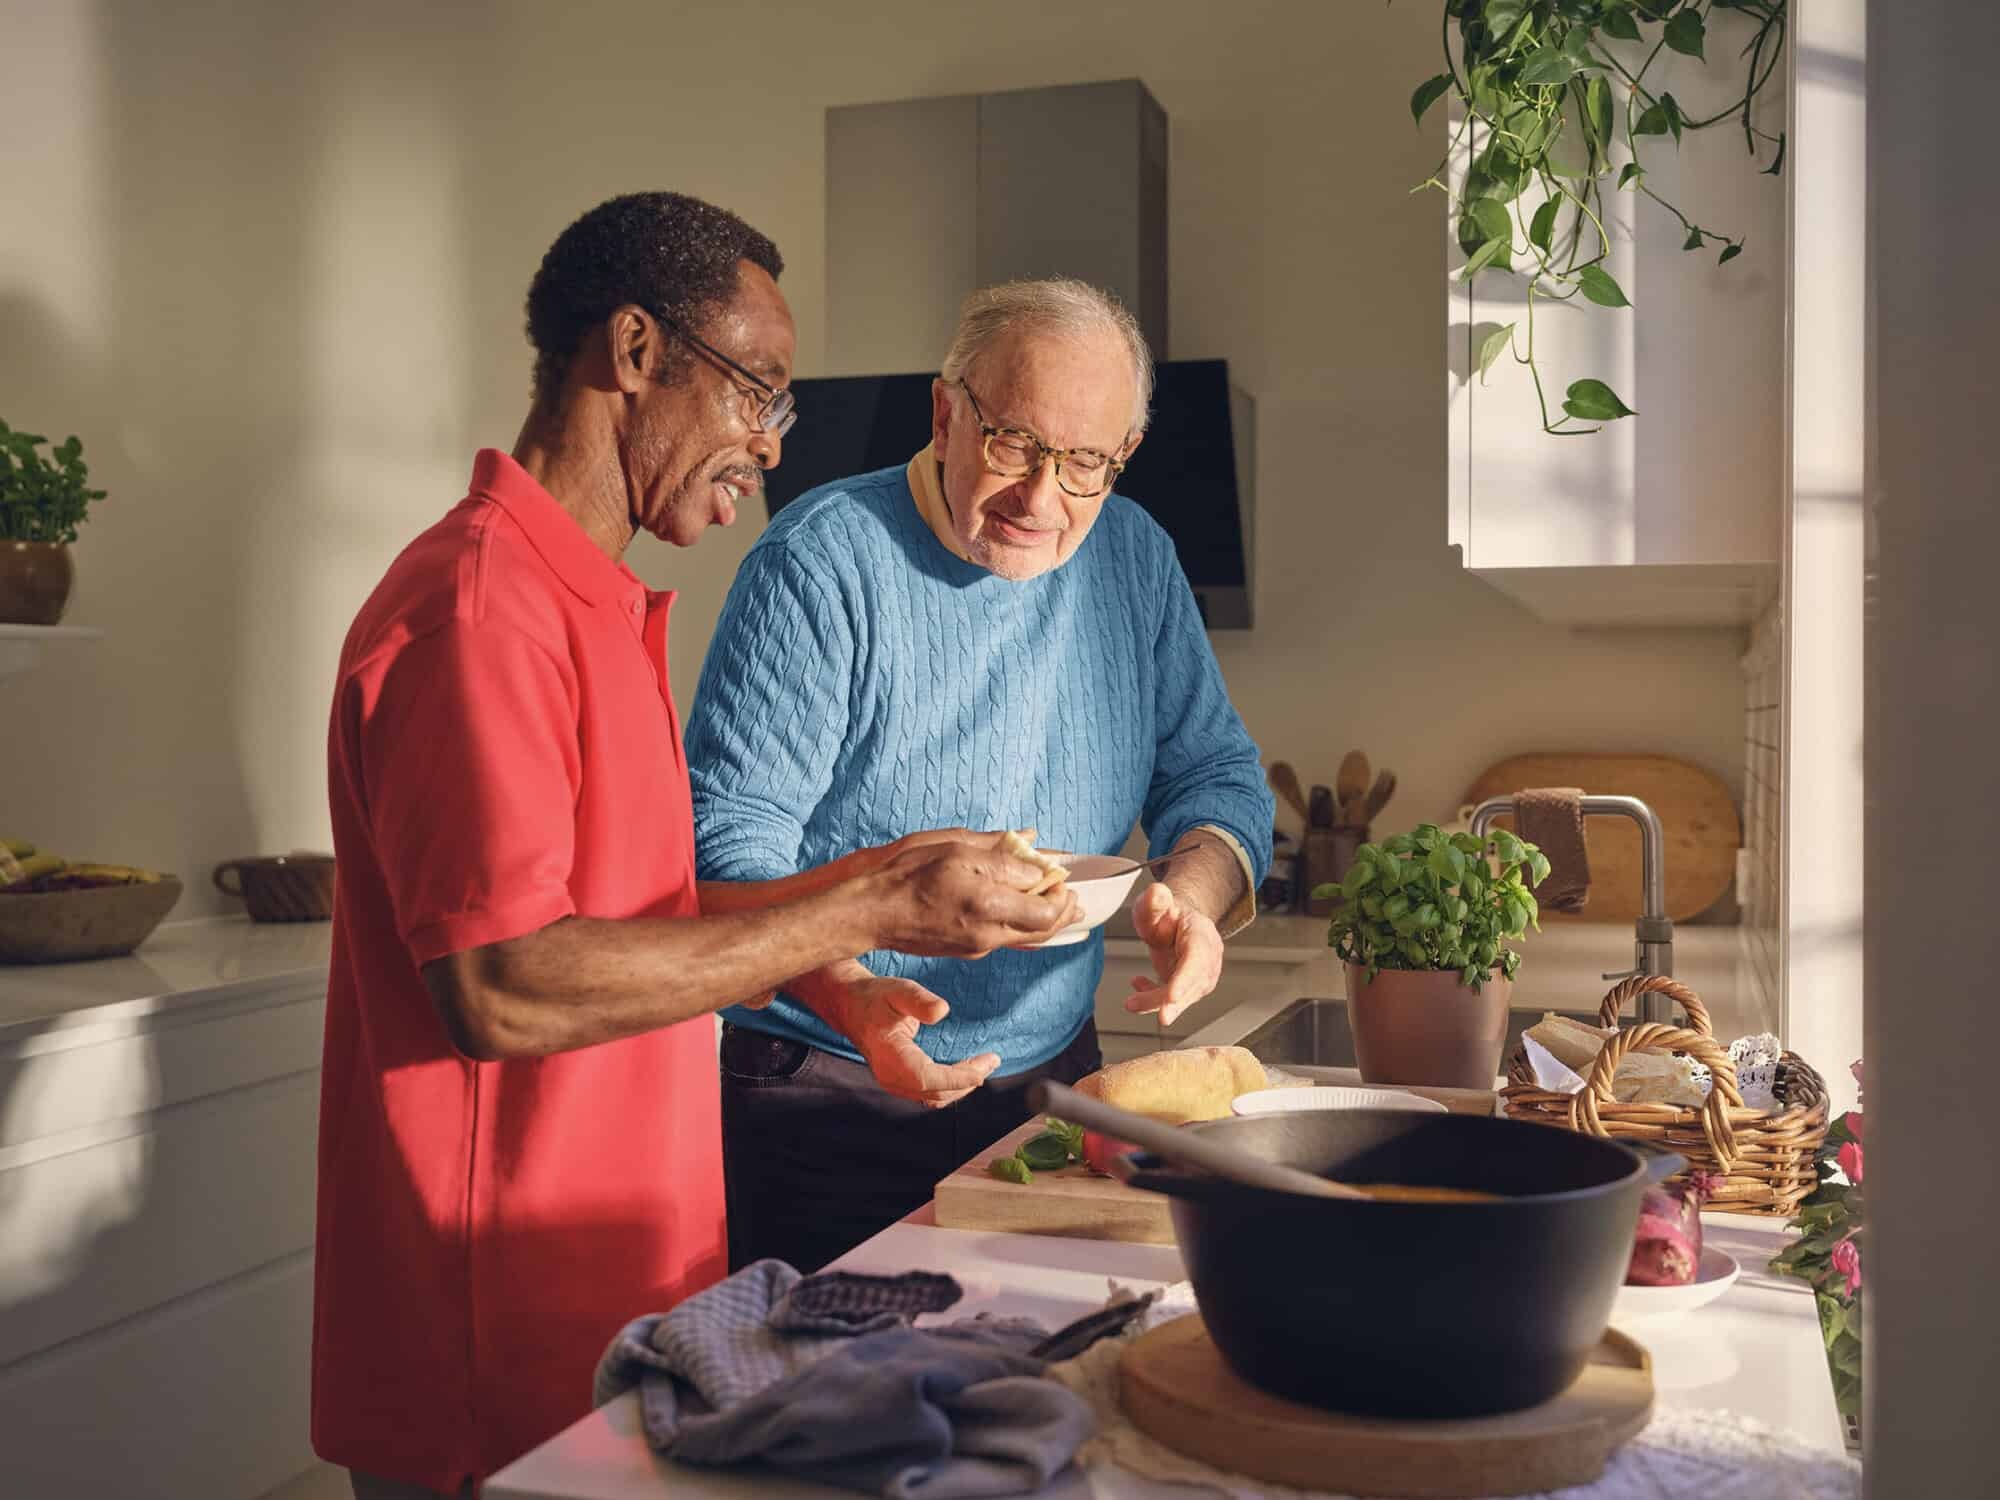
(1410, 1309)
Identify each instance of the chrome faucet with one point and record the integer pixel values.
(1653, 938)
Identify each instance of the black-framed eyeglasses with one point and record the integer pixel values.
(774, 410)
(1013, 452)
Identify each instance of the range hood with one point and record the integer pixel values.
(929, 198)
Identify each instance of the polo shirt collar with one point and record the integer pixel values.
(553, 532)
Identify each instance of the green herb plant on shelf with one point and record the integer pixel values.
(1553, 114)
(1431, 900)
(42, 499)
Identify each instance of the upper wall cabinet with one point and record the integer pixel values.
(1673, 516)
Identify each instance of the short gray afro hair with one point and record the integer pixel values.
(1059, 306)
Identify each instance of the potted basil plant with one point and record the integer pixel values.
(42, 502)
(1422, 928)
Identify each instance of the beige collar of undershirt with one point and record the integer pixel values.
(927, 485)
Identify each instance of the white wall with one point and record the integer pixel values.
(1823, 569)
(270, 265)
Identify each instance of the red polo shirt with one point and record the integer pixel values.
(504, 752)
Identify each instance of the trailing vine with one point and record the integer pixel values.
(1546, 102)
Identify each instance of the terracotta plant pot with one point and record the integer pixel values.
(1424, 1027)
(35, 580)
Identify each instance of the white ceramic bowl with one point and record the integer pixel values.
(1327, 1096)
(1715, 1275)
(1100, 883)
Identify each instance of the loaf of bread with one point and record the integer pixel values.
(1178, 1084)
(1571, 1043)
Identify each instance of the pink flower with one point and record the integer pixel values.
(1846, 1259)
(1849, 1158)
(1852, 1119)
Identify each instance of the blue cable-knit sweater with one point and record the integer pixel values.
(864, 683)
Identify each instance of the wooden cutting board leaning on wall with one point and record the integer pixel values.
(1695, 809)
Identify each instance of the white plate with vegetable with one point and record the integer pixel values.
(1715, 1275)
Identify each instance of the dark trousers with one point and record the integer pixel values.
(817, 1158)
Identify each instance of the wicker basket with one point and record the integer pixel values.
(1766, 1161)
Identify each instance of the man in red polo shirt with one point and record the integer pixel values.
(519, 1140)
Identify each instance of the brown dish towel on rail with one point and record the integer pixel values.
(1551, 818)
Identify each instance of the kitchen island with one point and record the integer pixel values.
(1755, 1353)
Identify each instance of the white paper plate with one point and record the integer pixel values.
(1330, 1096)
(1715, 1275)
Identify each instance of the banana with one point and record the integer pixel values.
(19, 848)
(10, 869)
(111, 874)
(37, 865)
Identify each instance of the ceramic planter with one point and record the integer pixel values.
(1423, 1026)
(35, 580)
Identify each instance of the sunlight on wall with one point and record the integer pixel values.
(382, 345)
(1823, 612)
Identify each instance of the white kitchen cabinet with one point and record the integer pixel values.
(1673, 516)
(157, 1124)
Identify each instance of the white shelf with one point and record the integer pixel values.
(21, 645)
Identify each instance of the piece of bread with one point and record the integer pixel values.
(1571, 1043)
(1054, 871)
(1178, 1084)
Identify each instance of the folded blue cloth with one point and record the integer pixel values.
(768, 1367)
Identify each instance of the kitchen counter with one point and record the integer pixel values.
(1562, 968)
(1754, 1352)
(187, 963)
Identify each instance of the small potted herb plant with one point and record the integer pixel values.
(42, 502)
(1422, 927)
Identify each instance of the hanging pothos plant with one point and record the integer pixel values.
(1546, 105)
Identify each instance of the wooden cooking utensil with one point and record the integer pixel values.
(1320, 805)
(1351, 784)
(1184, 1148)
(1378, 795)
(1285, 782)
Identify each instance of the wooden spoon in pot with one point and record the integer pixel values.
(1183, 1148)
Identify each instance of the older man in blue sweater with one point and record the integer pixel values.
(988, 637)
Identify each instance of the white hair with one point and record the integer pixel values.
(1057, 305)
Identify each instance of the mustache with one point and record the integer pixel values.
(747, 477)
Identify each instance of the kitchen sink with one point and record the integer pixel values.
(1315, 1033)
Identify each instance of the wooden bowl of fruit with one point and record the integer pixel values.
(53, 911)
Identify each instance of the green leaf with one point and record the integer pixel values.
(1629, 178)
(1503, 15)
(1777, 162)
(1729, 253)
(1599, 286)
(1440, 862)
(1427, 94)
(1652, 122)
(1694, 240)
(1597, 110)
(1685, 32)
(1550, 65)
(1619, 23)
(1674, 116)
(1542, 229)
(1490, 348)
(1594, 401)
(1493, 252)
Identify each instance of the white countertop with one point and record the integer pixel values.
(191, 962)
(1755, 1352)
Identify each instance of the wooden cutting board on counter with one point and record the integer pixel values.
(1078, 1204)
(1174, 1385)
(1696, 813)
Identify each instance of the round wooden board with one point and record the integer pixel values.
(1175, 1387)
(1697, 815)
